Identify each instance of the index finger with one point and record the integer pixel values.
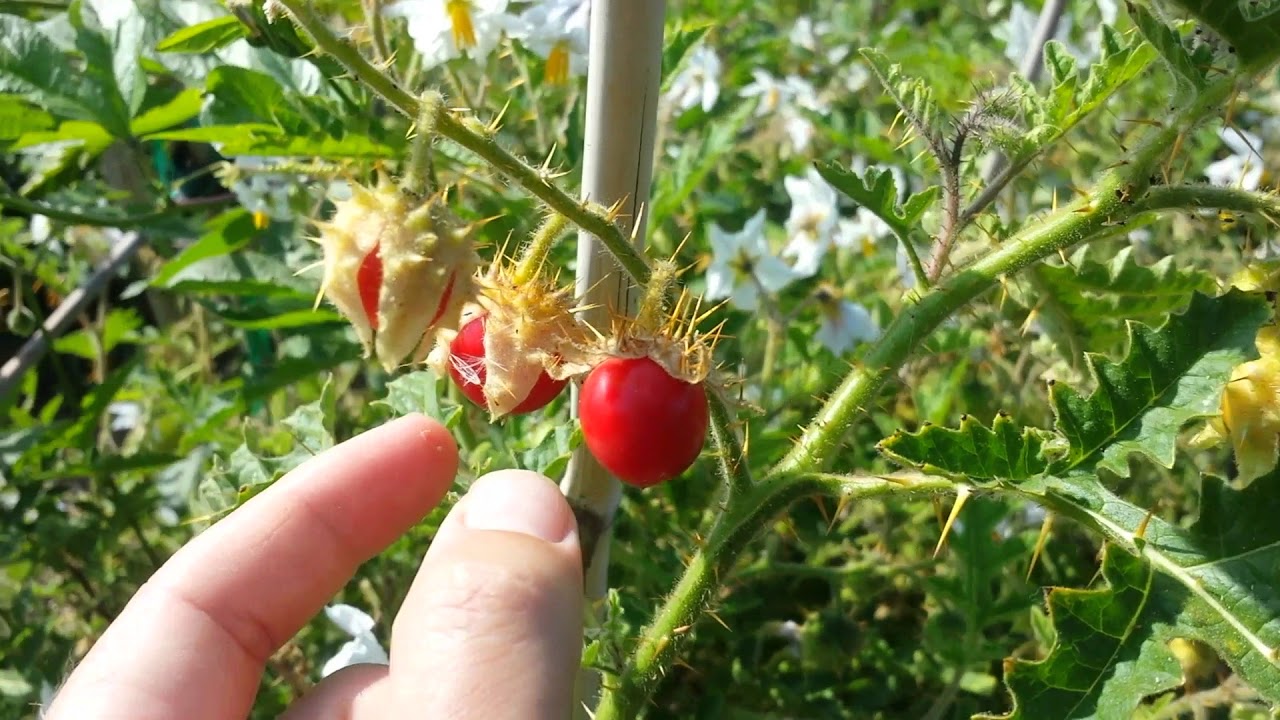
(193, 641)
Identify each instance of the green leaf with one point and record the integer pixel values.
(121, 326)
(113, 109)
(1190, 77)
(204, 37)
(1110, 651)
(243, 96)
(691, 167)
(877, 191)
(1005, 452)
(280, 321)
(32, 66)
(419, 392)
(227, 233)
(18, 117)
(1167, 378)
(1215, 583)
(913, 95)
(1093, 298)
(677, 47)
(183, 107)
(1250, 27)
(243, 273)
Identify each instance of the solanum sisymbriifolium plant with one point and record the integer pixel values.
(937, 358)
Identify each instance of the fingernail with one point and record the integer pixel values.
(518, 501)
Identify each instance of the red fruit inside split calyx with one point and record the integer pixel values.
(467, 368)
(369, 281)
(642, 424)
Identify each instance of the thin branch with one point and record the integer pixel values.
(470, 134)
(1031, 68)
(65, 314)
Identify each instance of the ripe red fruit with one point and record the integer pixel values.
(642, 424)
(369, 282)
(467, 368)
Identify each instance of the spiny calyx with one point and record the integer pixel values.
(398, 267)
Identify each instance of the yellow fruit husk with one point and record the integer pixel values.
(428, 261)
(530, 328)
(675, 344)
(1250, 411)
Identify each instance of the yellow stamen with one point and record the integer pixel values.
(261, 220)
(464, 29)
(557, 71)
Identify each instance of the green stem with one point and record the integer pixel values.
(731, 535)
(418, 175)
(535, 253)
(917, 267)
(731, 459)
(1076, 223)
(21, 204)
(378, 30)
(468, 134)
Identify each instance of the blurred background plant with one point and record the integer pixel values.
(177, 150)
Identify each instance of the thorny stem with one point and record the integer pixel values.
(913, 257)
(1078, 222)
(378, 31)
(796, 475)
(474, 137)
(418, 175)
(731, 457)
(535, 253)
(730, 536)
(950, 166)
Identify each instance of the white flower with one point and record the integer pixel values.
(557, 31)
(446, 29)
(805, 33)
(40, 228)
(844, 323)
(699, 81)
(861, 231)
(786, 100)
(1243, 167)
(742, 265)
(771, 91)
(363, 648)
(124, 415)
(812, 222)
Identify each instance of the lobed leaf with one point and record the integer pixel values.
(877, 191)
(1250, 27)
(1167, 378)
(1004, 452)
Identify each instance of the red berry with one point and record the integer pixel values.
(444, 300)
(642, 424)
(369, 282)
(467, 368)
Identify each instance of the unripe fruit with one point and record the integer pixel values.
(467, 367)
(397, 267)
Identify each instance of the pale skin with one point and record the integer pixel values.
(491, 627)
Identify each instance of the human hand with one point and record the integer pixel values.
(491, 627)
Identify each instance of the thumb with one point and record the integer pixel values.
(492, 625)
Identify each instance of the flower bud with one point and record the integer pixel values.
(397, 268)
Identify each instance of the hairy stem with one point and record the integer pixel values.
(535, 253)
(1080, 221)
(474, 137)
(737, 526)
(731, 458)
